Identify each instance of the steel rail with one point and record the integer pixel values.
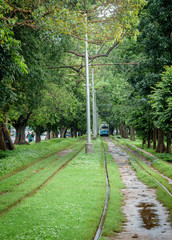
(102, 220)
(33, 192)
(146, 171)
(32, 163)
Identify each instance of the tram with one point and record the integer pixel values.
(104, 129)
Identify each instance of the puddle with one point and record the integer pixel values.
(149, 215)
(146, 218)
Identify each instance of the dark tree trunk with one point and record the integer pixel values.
(143, 142)
(168, 142)
(75, 133)
(38, 137)
(71, 133)
(161, 146)
(123, 131)
(117, 131)
(154, 137)
(20, 126)
(132, 136)
(20, 135)
(39, 130)
(111, 130)
(149, 139)
(5, 140)
(63, 132)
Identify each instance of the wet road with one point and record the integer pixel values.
(146, 217)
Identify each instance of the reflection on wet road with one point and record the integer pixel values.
(146, 217)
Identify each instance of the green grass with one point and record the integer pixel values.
(114, 218)
(24, 182)
(68, 207)
(162, 166)
(162, 195)
(138, 143)
(26, 154)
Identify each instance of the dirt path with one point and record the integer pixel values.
(146, 218)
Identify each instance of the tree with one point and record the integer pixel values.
(29, 88)
(155, 43)
(162, 105)
(104, 18)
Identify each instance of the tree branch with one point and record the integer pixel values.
(96, 56)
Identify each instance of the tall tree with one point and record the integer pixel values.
(162, 105)
(156, 45)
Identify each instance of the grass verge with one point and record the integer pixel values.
(138, 143)
(160, 165)
(162, 195)
(26, 154)
(25, 182)
(114, 218)
(68, 207)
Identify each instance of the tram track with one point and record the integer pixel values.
(29, 170)
(159, 182)
(35, 162)
(103, 217)
(41, 182)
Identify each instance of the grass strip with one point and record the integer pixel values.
(160, 165)
(28, 185)
(115, 217)
(27, 154)
(162, 180)
(138, 143)
(68, 207)
(162, 195)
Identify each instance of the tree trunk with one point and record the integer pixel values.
(149, 139)
(143, 142)
(168, 142)
(132, 136)
(161, 147)
(154, 137)
(20, 135)
(117, 131)
(38, 136)
(5, 140)
(63, 132)
(20, 125)
(39, 130)
(123, 131)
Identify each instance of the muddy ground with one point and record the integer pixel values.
(146, 218)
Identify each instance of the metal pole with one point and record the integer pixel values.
(88, 146)
(94, 107)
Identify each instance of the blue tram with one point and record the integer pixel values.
(104, 129)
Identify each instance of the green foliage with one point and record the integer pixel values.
(162, 101)
(11, 60)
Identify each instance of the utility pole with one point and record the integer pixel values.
(94, 107)
(88, 145)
